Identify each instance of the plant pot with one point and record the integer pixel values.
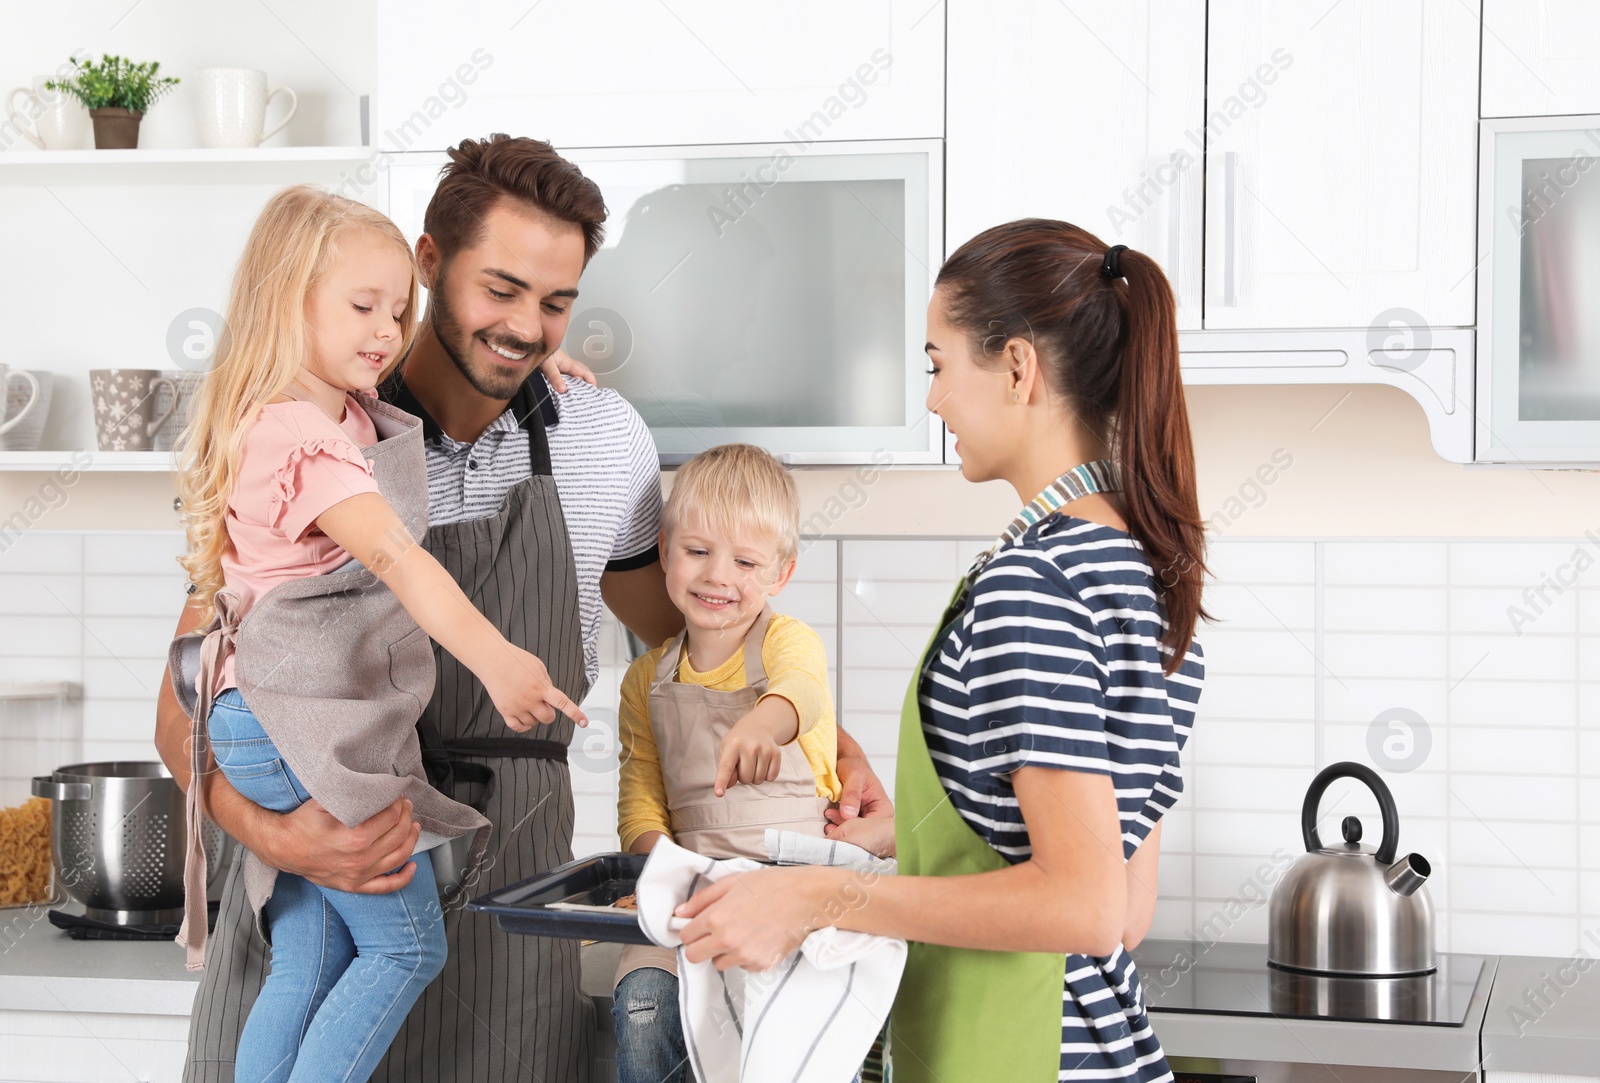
(116, 129)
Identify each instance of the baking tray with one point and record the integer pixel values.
(590, 881)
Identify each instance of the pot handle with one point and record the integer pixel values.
(1349, 769)
(45, 786)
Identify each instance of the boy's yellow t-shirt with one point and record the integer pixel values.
(797, 670)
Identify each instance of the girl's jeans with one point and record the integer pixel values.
(346, 968)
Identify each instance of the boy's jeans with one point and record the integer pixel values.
(650, 1045)
(346, 968)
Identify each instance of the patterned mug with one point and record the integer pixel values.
(185, 386)
(24, 379)
(125, 417)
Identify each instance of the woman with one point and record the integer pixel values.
(1040, 736)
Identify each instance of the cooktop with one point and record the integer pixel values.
(1234, 979)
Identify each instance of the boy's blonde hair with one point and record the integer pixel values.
(265, 344)
(741, 489)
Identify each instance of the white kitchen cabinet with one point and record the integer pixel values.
(594, 73)
(1540, 57)
(1340, 164)
(1088, 111)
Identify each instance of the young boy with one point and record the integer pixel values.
(728, 729)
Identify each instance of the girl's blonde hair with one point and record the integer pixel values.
(739, 488)
(264, 345)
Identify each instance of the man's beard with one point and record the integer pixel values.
(495, 383)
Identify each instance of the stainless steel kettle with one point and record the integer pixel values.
(1349, 909)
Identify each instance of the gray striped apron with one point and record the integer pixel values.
(506, 1007)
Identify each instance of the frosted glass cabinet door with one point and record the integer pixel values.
(1089, 111)
(1339, 167)
(747, 294)
(1539, 325)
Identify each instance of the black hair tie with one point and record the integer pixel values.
(1111, 268)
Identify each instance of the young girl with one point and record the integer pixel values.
(305, 497)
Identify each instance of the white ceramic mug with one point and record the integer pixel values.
(9, 376)
(233, 107)
(59, 121)
(24, 409)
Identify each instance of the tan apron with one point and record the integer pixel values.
(337, 672)
(689, 722)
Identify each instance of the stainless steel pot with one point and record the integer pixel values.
(117, 836)
(1347, 908)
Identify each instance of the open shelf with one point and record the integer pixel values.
(100, 461)
(183, 156)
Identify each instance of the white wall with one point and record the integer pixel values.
(1317, 638)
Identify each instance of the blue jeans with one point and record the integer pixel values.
(650, 1046)
(346, 968)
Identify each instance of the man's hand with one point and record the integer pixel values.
(523, 692)
(874, 834)
(862, 792)
(309, 842)
(559, 365)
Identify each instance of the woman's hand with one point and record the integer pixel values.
(874, 834)
(756, 919)
(523, 693)
(558, 365)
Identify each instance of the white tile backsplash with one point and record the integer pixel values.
(1316, 640)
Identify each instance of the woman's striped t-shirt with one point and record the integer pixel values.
(1056, 662)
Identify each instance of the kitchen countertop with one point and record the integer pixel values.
(1313, 1041)
(1544, 1016)
(43, 969)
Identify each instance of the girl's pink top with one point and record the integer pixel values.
(296, 462)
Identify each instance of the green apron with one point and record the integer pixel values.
(962, 1013)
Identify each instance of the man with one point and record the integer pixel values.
(541, 506)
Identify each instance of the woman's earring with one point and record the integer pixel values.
(1015, 397)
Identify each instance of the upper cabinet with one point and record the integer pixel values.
(595, 73)
(1541, 57)
(1088, 111)
(1340, 163)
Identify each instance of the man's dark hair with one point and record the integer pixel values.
(529, 171)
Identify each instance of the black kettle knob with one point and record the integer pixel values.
(1362, 773)
(1351, 829)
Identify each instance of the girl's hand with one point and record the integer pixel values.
(523, 693)
(756, 919)
(559, 365)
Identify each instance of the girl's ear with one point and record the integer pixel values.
(661, 546)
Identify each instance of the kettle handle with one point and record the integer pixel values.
(1349, 769)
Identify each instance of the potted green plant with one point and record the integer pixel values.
(116, 91)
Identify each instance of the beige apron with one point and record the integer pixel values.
(337, 673)
(689, 722)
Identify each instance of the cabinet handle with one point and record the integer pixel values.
(1175, 238)
(1230, 228)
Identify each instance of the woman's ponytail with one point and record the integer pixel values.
(1151, 429)
(1110, 348)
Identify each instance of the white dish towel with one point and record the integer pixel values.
(810, 1019)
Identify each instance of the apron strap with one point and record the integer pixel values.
(219, 640)
(754, 671)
